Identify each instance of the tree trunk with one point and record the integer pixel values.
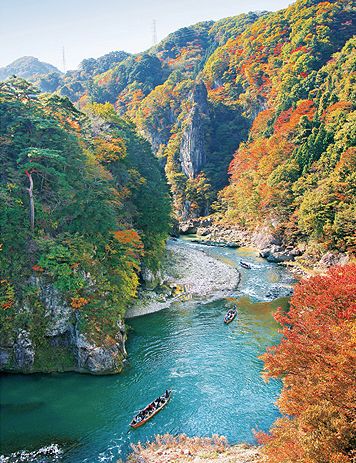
(32, 203)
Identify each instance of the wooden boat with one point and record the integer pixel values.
(230, 315)
(245, 264)
(152, 410)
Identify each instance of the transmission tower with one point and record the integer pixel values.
(154, 32)
(63, 59)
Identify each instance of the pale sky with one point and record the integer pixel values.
(91, 28)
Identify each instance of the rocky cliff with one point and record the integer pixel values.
(82, 208)
(57, 342)
(194, 144)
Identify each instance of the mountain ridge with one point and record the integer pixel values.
(27, 67)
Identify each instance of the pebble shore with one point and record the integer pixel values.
(200, 276)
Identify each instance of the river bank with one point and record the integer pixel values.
(188, 273)
(182, 449)
(302, 259)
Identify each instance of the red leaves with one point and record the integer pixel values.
(301, 48)
(316, 359)
(37, 268)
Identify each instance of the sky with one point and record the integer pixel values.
(91, 28)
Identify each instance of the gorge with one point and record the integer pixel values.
(187, 348)
(131, 188)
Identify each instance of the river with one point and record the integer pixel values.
(213, 369)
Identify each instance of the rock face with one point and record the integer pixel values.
(57, 312)
(193, 147)
(101, 359)
(24, 353)
(57, 343)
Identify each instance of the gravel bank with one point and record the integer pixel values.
(194, 273)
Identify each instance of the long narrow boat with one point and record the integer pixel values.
(230, 315)
(150, 411)
(245, 264)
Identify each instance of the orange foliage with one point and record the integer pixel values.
(261, 121)
(347, 161)
(7, 295)
(131, 238)
(78, 302)
(127, 236)
(108, 151)
(246, 158)
(335, 109)
(316, 359)
(73, 124)
(37, 268)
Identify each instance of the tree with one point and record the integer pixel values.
(316, 361)
(43, 162)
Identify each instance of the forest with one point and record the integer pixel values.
(84, 207)
(266, 101)
(245, 123)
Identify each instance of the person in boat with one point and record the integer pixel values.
(167, 393)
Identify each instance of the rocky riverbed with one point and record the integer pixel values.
(188, 273)
(303, 260)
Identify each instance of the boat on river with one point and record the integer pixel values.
(245, 264)
(151, 410)
(230, 315)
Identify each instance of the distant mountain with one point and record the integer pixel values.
(27, 67)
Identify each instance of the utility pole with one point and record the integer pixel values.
(154, 32)
(63, 59)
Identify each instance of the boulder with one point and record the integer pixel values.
(264, 238)
(202, 231)
(186, 228)
(278, 257)
(330, 259)
(151, 279)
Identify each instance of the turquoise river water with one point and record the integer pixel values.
(213, 369)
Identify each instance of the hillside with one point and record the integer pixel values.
(296, 169)
(252, 118)
(249, 116)
(27, 67)
(84, 206)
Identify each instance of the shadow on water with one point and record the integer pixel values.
(213, 369)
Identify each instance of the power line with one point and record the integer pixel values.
(63, 59)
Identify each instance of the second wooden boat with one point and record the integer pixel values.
(230, 315)
(245, 264)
